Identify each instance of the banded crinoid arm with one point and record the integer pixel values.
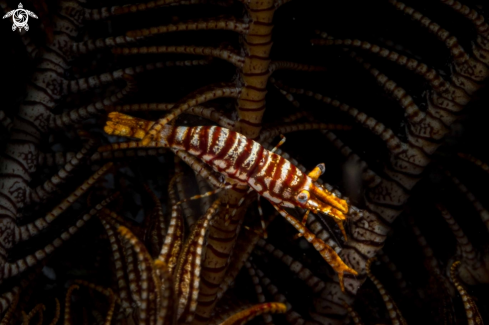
(471, 310)
(221, 243)
(19, 159)
(76, 116)
(50, 84)
(300, 270)
(45, 190)
(117, 10)
(470, 70)
(20, 265)
(392, 309)
(37, 116)
(133, 36)
(107, 292)
(474, 260)
(387, 197)
(483, 212)
(148, 277)
(206, 112)
(9, 313)
(446, 96)
(38, 309)
(253, 65)
(187, 272)
(143, 278)
(230, 23)
(243, 249)
(353, 314)
(479, 163)
(154, 225)
(173, 241)
(157, 305)
(246, 315)
(251, 106)
(224, 54)
(200, 96)
(120, 268)
(29, 230)
(368, 175)
(291, 315)
(258, 289)
(315, 284)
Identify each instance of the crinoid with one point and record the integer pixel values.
(389, 96)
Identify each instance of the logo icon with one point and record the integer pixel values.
(20, 17)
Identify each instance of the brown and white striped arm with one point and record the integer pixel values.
(479, 163)
(57, 312)
(392, 309)
(452, 97)
(292, 317)
(119, 259)
(29, 230)
(187, 271)
(196, 98)
(154, 224)
(81, 48)
(42, 192)
(230, 56)
(267, 319)
(67, 312)
(246, 315)
(230, 24)
(149, 300)
(471, 310)
(16, 267)
(8, 302)
(174, 237)
(51, 159)
(128, 259)
(469, 70)
(302, 272)
(38, 309)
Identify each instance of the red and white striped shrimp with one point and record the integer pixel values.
(245, 162)
(240, 159)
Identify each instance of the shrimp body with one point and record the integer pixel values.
(240, 159)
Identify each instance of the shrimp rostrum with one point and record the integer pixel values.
(245, 162)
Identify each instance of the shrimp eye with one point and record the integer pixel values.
(303, 196)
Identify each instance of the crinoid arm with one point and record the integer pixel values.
(245, 315)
